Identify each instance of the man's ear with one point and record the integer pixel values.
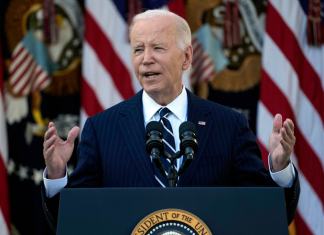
(188, 58)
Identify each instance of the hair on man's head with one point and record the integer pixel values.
(182, 27)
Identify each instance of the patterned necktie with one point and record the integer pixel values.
(169, 146)
(168, 138)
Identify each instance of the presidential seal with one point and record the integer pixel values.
(171, 222)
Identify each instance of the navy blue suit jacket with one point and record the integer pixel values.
(112, 150)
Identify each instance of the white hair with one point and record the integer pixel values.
(182, 27)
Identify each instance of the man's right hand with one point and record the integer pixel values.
(58, 152)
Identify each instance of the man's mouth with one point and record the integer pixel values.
(150, 74)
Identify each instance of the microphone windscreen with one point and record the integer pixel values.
(154, 126)
(187, 126)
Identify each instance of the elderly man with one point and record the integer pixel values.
(112, 151)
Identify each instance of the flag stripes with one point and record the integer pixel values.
(115, 67)
(290, 47)
(25, 74)
(292, 84)
(104, 53)
(305, 112)
(203, 68)
(296, 20)
(103, 79)
(311, 163)
(89, 100)
(310, 210)
(4, 200)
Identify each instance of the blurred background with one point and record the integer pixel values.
(65, 60)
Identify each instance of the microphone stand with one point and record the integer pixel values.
(185, 164)
(188, 146)
(173, 173)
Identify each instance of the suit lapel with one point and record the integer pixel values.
(132, 122)
(199, 114)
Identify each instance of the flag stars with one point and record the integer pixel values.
(76, 42)
(227, 52)
(240, 51)
(69, 53)
(27, 173)
(251, 48)
(247, 40)
(22, 172)
(11, 167)
(37, 176)
(235, 58)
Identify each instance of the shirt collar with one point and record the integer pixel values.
(178, 106)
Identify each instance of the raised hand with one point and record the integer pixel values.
(281, 142)
(57, 152)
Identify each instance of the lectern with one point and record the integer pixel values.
(217, 211)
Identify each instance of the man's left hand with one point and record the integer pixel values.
(282, 141)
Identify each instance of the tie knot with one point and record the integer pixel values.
(164, 112)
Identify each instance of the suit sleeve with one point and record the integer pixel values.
(50, 209)
(249, 169)
(86, 173)
(88, 169)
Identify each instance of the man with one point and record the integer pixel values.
(112, 148)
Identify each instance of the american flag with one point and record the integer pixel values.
(108, 76)
(292, 84)
(203, 68)
(29, 70)
(4, 202)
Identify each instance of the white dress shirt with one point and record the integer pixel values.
(179, 108)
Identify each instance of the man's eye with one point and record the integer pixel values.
(138, 50)
(159, 48)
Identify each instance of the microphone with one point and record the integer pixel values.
(154, 143)
(188, 143)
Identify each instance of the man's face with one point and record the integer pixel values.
(157, 58)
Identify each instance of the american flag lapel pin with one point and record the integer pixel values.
(202, 123)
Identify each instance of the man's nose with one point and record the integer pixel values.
(148, 57)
